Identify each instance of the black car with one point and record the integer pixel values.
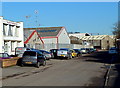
(54, 52)
(78, 52)
(34, 57)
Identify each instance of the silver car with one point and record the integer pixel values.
(33, 57)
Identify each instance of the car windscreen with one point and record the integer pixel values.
(29, 53)
(113, 49)
(76, 50)
(4, 55)
(64, 49)
(82, 49)
(44, 51)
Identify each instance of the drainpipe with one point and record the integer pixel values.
(57, 43)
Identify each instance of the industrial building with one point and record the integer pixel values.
(50, 37)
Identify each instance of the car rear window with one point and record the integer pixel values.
(4, 55)
(29, 53)
(113, 49)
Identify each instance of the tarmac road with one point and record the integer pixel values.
(83, 71)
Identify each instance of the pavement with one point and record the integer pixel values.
(113, 76)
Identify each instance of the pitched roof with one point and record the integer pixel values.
(96, 37)
(46, 31)
(79, 35)
(30, 36)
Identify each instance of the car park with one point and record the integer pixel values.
(113, 50)
(78, 52)
(64, 53)
(34, 57)
(47, 54)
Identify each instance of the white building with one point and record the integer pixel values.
(11, 36)
(79, 35)
(50, 37)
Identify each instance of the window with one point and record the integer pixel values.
(12, 46)
(4, 29)
(10, 31)
(17, 31)
(29, 53)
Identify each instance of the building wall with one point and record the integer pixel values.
(1, 35)
(63, 38)
(11, 36)
(50, 40)
(107, 42)
(35, 42)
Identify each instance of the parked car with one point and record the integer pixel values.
(113, 50)
(47, 54)
(78, 52)
(83, 50)
(64, 53)
(91, 50)
(34, 57)
(20, 50)
(54, 52)
(4, 56)
(74, 54)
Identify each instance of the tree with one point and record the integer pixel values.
(116, 31)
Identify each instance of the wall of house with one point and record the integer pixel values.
(12, 36)
(50, 40)
(35, 42)
(63, 38)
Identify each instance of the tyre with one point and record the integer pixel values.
(78, 55)
(22, 65)
(38, 64)
(69, 57)
(44, 62)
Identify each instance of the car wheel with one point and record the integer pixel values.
(70, 57)
(22, 64)
(78, 55)
(44, 62)
(38, 64)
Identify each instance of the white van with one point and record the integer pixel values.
(20, 50)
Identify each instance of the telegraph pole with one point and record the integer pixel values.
(27, 17)
(36, 17)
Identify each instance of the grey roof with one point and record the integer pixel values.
(45, 31)
(96, 37)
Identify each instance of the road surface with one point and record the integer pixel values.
(87, 70)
